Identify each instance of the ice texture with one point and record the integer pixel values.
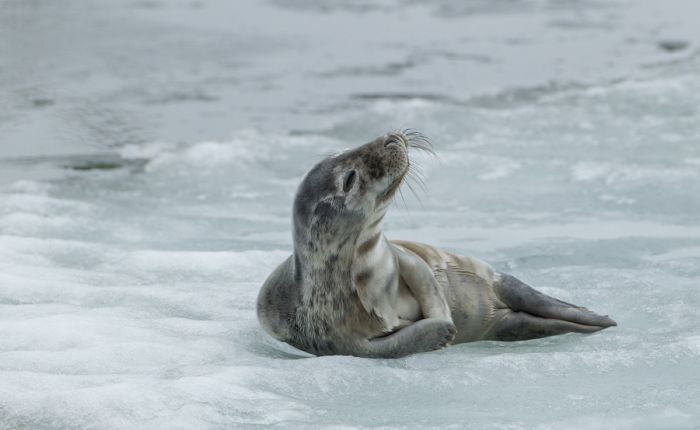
(148, 175)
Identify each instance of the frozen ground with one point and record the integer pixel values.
(149, 152)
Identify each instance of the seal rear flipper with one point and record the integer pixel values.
(515, 326)
(422, 336)
(520, 297)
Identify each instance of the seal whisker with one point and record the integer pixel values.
(416, 170)
(409, 132)
(419, 181)
(422, 138)
(403, 199)
(408, 184)
(412, 132)
(415, 173)
(421, 143)
(418, 140)
(411, 175)
(422, 148)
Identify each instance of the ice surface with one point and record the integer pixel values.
(144, 205)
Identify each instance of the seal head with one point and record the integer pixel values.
(342, 193)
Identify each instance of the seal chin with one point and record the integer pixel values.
(388, 194)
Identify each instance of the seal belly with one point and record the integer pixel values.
(473, 303)
(468, 286)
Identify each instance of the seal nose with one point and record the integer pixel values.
(395, 139)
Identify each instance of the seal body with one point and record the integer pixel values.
(489, 305)
(468, 287)
(348, 290)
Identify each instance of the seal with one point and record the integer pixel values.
(349, 290)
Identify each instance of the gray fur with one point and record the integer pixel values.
(521, 298)
(347, 290)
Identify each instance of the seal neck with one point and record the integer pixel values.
(323, 261)
(329, 259)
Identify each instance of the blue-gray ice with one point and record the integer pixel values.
(149, 152)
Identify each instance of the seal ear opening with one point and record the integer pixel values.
(349, 180)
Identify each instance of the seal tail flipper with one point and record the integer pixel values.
(520, 297)
(524, 326)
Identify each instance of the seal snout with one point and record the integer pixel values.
(396, 139)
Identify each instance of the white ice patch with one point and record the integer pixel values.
(617, 199)
(610, 173)
(680, 253)
(588, 172)
(486, 167)
(405, 109)
(488, 239)
(500, 168)
(210, 154)
(248, 148)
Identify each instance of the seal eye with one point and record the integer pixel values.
(349, 180)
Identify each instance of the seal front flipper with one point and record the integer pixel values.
(534, 314)
(420, 279)
(422, 336)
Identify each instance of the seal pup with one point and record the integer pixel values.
(348, 290)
